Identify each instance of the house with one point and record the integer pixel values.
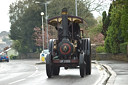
(11, 52)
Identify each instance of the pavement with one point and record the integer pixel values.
(121, 70)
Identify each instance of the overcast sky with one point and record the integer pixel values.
(4, 16)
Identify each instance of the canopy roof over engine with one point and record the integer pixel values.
(55, 20)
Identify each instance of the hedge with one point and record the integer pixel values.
(123, 47)
(100, 49)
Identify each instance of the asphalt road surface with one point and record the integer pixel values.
(26, 72)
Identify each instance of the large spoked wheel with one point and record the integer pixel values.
(49, 69)
(49, 65)
(82, 65)
(88, 65)
(56, 70)
(88, 58)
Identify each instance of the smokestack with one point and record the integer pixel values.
(65, 22)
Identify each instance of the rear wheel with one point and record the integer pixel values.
(49, 69)
(49, 65)
(88, 65)
(82, 71)
(82, 65)
(56, 70)
(88, 58)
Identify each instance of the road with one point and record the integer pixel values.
(26, 72)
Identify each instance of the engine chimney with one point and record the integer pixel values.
(65, 22)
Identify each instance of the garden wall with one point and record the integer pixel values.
(109, 56)
(29, 56)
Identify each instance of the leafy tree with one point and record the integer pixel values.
(24, 16)
(106, 21)
(117, 29)
(56, 6)
(124, 22)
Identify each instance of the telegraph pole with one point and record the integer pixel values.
(76, 7)
(46, 16)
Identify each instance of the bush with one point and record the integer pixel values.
(100, 49)
(123, 47)
(13, 57)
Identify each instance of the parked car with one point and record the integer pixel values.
(43, 55)
(4, 57)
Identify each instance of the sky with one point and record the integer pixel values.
(4, 14)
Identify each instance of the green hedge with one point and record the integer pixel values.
(100, 49)
(13, 57)
(123, 47)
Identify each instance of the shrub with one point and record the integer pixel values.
(13, 57)
(123, 47)
(100, 49)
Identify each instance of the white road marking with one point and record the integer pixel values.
(34, 72)
(17, 81)
(9, 76)
(4, 67)
(32, 75)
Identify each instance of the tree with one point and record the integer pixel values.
(24, 16)
(83, 9)
(106, 21)
(124, 22)
(117, 29)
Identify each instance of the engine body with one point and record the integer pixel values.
(69, 49)
(65, 49)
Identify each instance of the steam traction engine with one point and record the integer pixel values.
(70, 49)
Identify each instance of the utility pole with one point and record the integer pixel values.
(127, 50)
(76, 7)
(46, 17)
(127, 46)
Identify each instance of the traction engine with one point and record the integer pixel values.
(70, 50)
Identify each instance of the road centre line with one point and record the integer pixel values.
(32, 75)
(17, 81)
(34, 72)
(9, 76)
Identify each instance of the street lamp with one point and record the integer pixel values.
(46, 17)
(42, 14)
